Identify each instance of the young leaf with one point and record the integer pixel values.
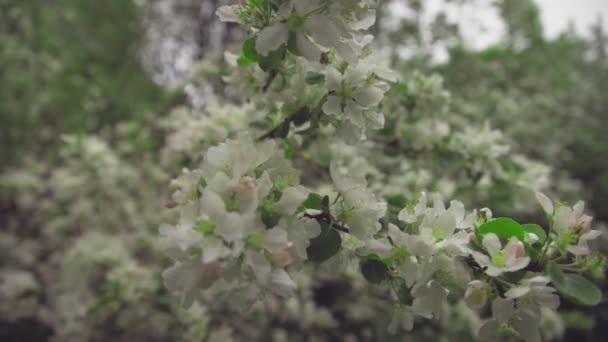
(502, 227)
(249, 51)
(574, 287)
(324, 246)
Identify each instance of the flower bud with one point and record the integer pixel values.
(244, 185)
(281, 258)
(211, 273)
(521, 250)
(476, 295)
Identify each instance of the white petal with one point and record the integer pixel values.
(368, 96)
(322, 30)
(355, 75)
(259, 264)
(332, 105)
(333, 79)
(354, 112)
(276, 240)
(590, 235)
(502, 309)
(292, 198)
(212, 205)
(481, 259)
(545, 202)
(281, 284)
(516, 292)
(491, 243)
(271, 38)
(228, 14)
(518, 264)
(231, 226)
(399, 238)
(307, 48)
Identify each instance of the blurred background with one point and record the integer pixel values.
(94, 96)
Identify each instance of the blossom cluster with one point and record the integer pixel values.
(248, 225)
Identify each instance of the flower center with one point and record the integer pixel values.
(498, 259)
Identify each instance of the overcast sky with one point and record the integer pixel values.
(479, 22)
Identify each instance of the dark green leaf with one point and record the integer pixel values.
(374, 271)
(292, 44)
(314, 78)
(536, 230)
(325, 203)
(273, 59)
(503, 227)
(301, 116)
(313, 201)
(574, 287)
(324, 246)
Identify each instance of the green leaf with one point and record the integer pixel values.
(397, 201)
(574, 287)
(242, 60)
(364, 253)
(273, 59)
(324, 246)
(325, 203)
(536, 230)
(503, 227)
(249, 51)
(314, 78)
(289, 149)
(374, 271)
(292, 44)
(313, 201)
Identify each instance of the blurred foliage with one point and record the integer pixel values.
(68, 66)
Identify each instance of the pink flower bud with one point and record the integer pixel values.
(520, 251)
(170, 204)
(281, 258)
(245, 184)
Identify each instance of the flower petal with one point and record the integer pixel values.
(271, 38)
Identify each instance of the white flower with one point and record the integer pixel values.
(534, 293)
(361, 212)
(408, 215)
(187, 278)
(354, 94)
(581, 248)
(299, 17)
(300, 231)
(500, 260)
(524, 322)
